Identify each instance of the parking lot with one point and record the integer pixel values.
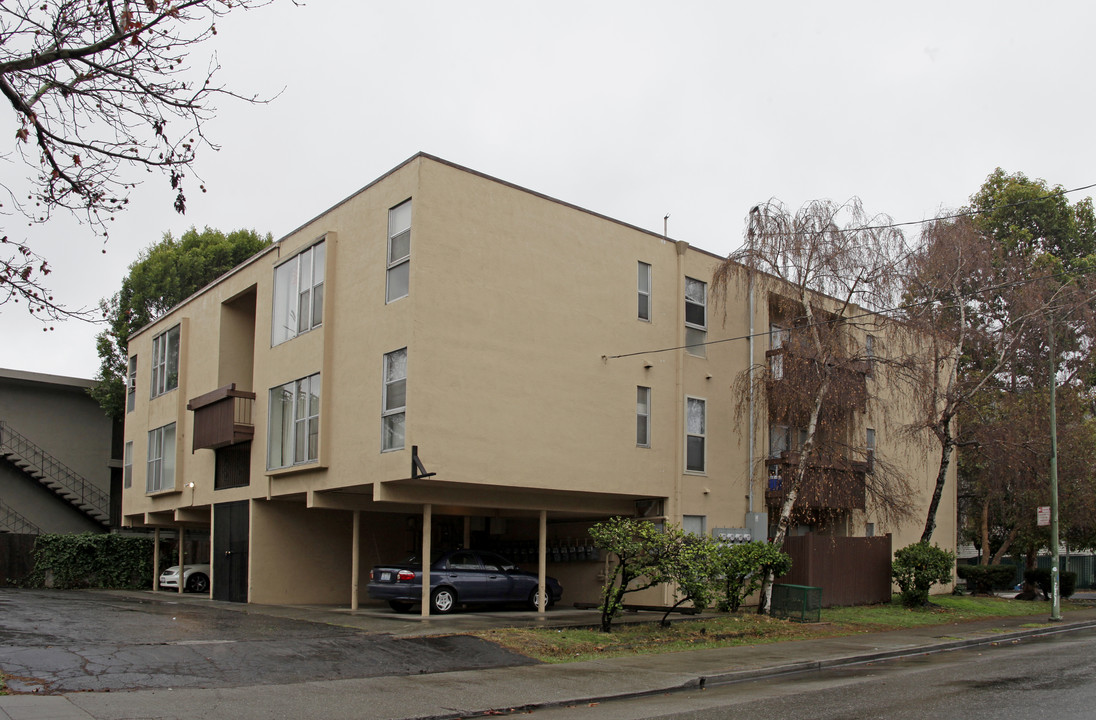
(64, 641)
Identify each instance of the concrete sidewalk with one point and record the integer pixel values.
(470, 693)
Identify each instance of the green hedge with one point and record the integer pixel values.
(984, 579)
(91, 560)
(1067, 581)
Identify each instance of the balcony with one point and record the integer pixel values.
(831, 483)
(222, 417)
(794, 376)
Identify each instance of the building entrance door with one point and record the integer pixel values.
(230, 547)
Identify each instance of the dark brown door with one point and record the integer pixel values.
(230, 546)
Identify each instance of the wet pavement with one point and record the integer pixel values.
(55, 642)
(340, 664)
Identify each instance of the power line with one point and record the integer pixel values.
(882, 312)
(965, 213)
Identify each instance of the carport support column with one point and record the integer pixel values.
(355, 556)
(156, 560)
(427, 551)
(182, 539)
(542, 559)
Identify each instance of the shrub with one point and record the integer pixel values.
(740, 570)
(91, 560)
(635, 544)
(984, 579)
(1040, 577)
(916, 568)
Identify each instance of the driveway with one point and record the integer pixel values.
(65, 641)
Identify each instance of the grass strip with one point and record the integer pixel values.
(558, 645)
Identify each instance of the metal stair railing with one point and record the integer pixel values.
(53, 473)
(13, 522)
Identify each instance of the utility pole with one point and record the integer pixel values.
(1056, 605)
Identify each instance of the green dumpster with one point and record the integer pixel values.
(801, 603)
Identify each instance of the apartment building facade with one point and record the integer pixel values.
(445, 359)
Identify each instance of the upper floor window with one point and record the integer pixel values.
(695, 434)
(399, 252)
(165, 361)
(294, 429)
(161, 459)
(644, 287)
(869, 443)
(131, 384)
(394, 403)
(696, 316)
(643, 416)
(298, 294)
(869, 352)
(127, 466)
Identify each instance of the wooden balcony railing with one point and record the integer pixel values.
(222, 417)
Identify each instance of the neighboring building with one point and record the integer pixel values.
(446, 359)
(56, 450)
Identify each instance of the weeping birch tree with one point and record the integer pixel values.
(822, 269)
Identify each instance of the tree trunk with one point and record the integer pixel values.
(793, 490)
(947, 446)
(996, 559)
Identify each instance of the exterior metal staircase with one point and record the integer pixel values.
(13, 522)
(54, 474)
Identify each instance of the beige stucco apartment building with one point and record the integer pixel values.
(445, 359)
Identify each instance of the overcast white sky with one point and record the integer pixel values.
(633, 109)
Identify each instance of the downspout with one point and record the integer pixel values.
(750, 467)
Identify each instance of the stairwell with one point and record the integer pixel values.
(13, 522)
(54, 475)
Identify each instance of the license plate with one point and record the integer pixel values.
(386, 577)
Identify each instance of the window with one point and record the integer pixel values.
(131, 384)
(695, 422)
(696, 316)
(695, 524)
(161, 459)
(777, 338)
(780, 438)
(399, 252)
(869, 444)
(869, 352)
(127, 466)
(165, 361)
(298, 294)
(643, 416)
(294, 432)
(394, 404)
(869, 529)
(644, 291)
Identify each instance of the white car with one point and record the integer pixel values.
(195, 578)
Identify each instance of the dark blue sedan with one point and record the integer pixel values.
(460, 577)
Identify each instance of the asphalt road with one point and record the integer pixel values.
(63, 641)
(1036, 677)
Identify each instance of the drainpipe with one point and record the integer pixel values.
(750, 467)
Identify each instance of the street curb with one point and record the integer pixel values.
(732, 677)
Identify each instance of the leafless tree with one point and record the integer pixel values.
(100, 90)
(824, 270)
(980, 313)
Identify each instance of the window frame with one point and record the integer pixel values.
(163, 379)
(702, 435)
(869, 353)
(643, 273)
(127, 466)
(131, 384)
(288, 299)
(701, 519)
(390, 414)
(697, 349)
(161, 459)
(393, 264)
(296, 421)
(643, 415)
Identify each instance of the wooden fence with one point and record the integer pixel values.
(16, 557)
(850, 570)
